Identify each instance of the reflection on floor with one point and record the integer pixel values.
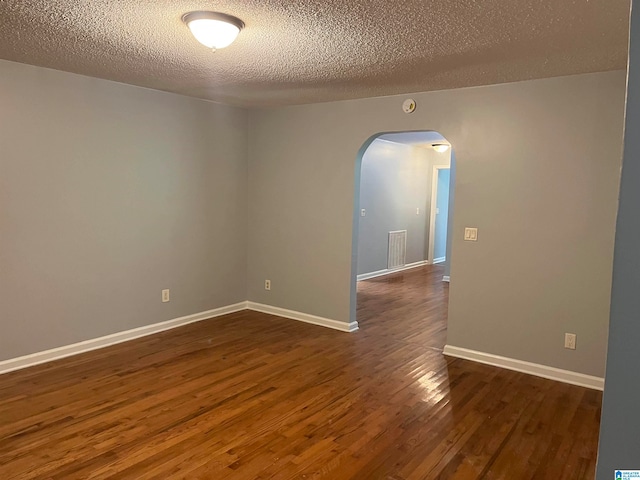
(408, 306)
(254, 396)
(484, 422)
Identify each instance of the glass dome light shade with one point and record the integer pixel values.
(213, 30)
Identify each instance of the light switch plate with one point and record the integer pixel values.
(570, 341)
(471, 234)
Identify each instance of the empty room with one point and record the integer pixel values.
(204, 273)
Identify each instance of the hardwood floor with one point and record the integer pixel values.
(253, 396)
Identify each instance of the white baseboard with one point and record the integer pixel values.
(37, 358)
(387, 271)
(25, 361)
(565, 376)
(303, 317)
(439, 260)
(446, 278)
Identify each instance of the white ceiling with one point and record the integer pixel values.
(318, 50)
(418, 139)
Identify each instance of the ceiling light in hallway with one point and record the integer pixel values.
(440, 147)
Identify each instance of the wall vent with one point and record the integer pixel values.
(397, 249)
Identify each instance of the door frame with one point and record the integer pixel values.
(432, 216)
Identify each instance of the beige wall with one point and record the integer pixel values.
(108, 194)
(537, 172)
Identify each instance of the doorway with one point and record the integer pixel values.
(402, 201)
(401, 252)
(439, 214)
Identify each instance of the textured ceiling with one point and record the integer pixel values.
(318, 50)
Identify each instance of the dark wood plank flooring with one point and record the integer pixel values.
(253, 396)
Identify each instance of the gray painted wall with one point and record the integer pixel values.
(537, 172)
(394, 182)
(108, 194)
(620, 423)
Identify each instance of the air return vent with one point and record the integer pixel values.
(397, 249)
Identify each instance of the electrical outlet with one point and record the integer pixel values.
(570, 341)
(363, 212)
(267, 284)
(418, 211)
(165, 295)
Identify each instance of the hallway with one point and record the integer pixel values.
(409, 306)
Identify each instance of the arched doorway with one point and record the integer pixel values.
(401, 222)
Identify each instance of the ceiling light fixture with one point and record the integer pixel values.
(440, 147)
(212, 29)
